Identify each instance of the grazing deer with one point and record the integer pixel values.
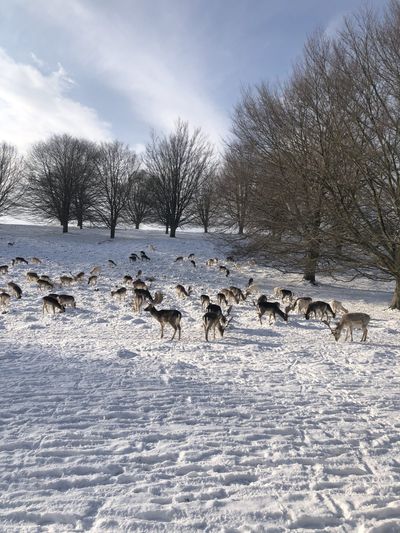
(348, 322)
(64, 299)
(193, 262)
(179, 258)
(323, 309)
(222, 299)
(32, 277)
(5, 299)
(271, 309)
(224, 269)
(79, 277)
(182, 292)
(283, 294)
(44, 284)
(167, 316)
(239, 296)
(139, 284)
(4, 269)
(338, 307)
(66, 280)
(112, 263)
(50, 304)
(36, 261)
(133, 258)
(301, 304)
(231, 298)
(128, 280)
(213, 321)
(15, 289)
(191, 256)
(47, 278)
(205, 300)
(119, 293)
(214, 308)
(143, 256)
(230, 259)
(212, 262)
(92, 281)
(19, 260)
(95, 270)
(138, 301)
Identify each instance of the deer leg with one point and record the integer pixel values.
(173, 336)
(162, 331)
(179, 332)
(351, 333)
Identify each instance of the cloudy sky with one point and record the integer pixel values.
(107, 69)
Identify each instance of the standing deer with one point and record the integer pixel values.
(92, 280)
(348, 322)
(4, 269)
(213, 321)
(271, 309)
(43, 284)
(66, 300)
(119, 293)
(205, 300)
(182, 292)
(51, 304)
(5, 299)
(66, 280)
(15, 289)
(32, 277)
(338, 307)
(167, 316)
(319, 308)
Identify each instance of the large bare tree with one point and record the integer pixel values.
(176, 164)
(116, 167)
(54, 170)
(139, 205)
(11, 177)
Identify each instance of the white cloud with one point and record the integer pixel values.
(34, 105)
(161, 81)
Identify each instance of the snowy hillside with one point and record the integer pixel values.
(106, 427)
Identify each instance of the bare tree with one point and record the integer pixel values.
(116, 167)
(11, 176)
(53, 172)
(139, 208)
(235, 187)
(85, 190)
(206, 201)
(176, 165)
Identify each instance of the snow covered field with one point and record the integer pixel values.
(105, 427)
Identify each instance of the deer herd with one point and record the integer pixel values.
(217, 315)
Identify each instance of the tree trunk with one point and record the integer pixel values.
(396, 296)
(173, 231)
(311, 264)
(205, 228)
(241, 229)
(137, 224)
(80, 221)
(112, 233)
(65, 226)
(166, 229)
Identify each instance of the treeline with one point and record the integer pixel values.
(319, 156)
(309, 179)
(70, 179)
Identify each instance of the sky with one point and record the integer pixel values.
(104, 70)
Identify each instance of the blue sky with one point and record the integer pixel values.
(117, 69)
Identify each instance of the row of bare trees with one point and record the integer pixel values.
(317, 158)
(69, 179)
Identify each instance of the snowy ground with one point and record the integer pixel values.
(105, 427)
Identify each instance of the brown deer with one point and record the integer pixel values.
(50, 304)
(349, 322)
(167, 316)
(182, 292)
(15, 289)
(271, 309)
(213, 321)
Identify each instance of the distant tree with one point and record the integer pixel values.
(54, 169)
(85, 192)
(116, 167)
(235, 187)
(176, 165)
(139, 205)
(206, 200)
(11, 177)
